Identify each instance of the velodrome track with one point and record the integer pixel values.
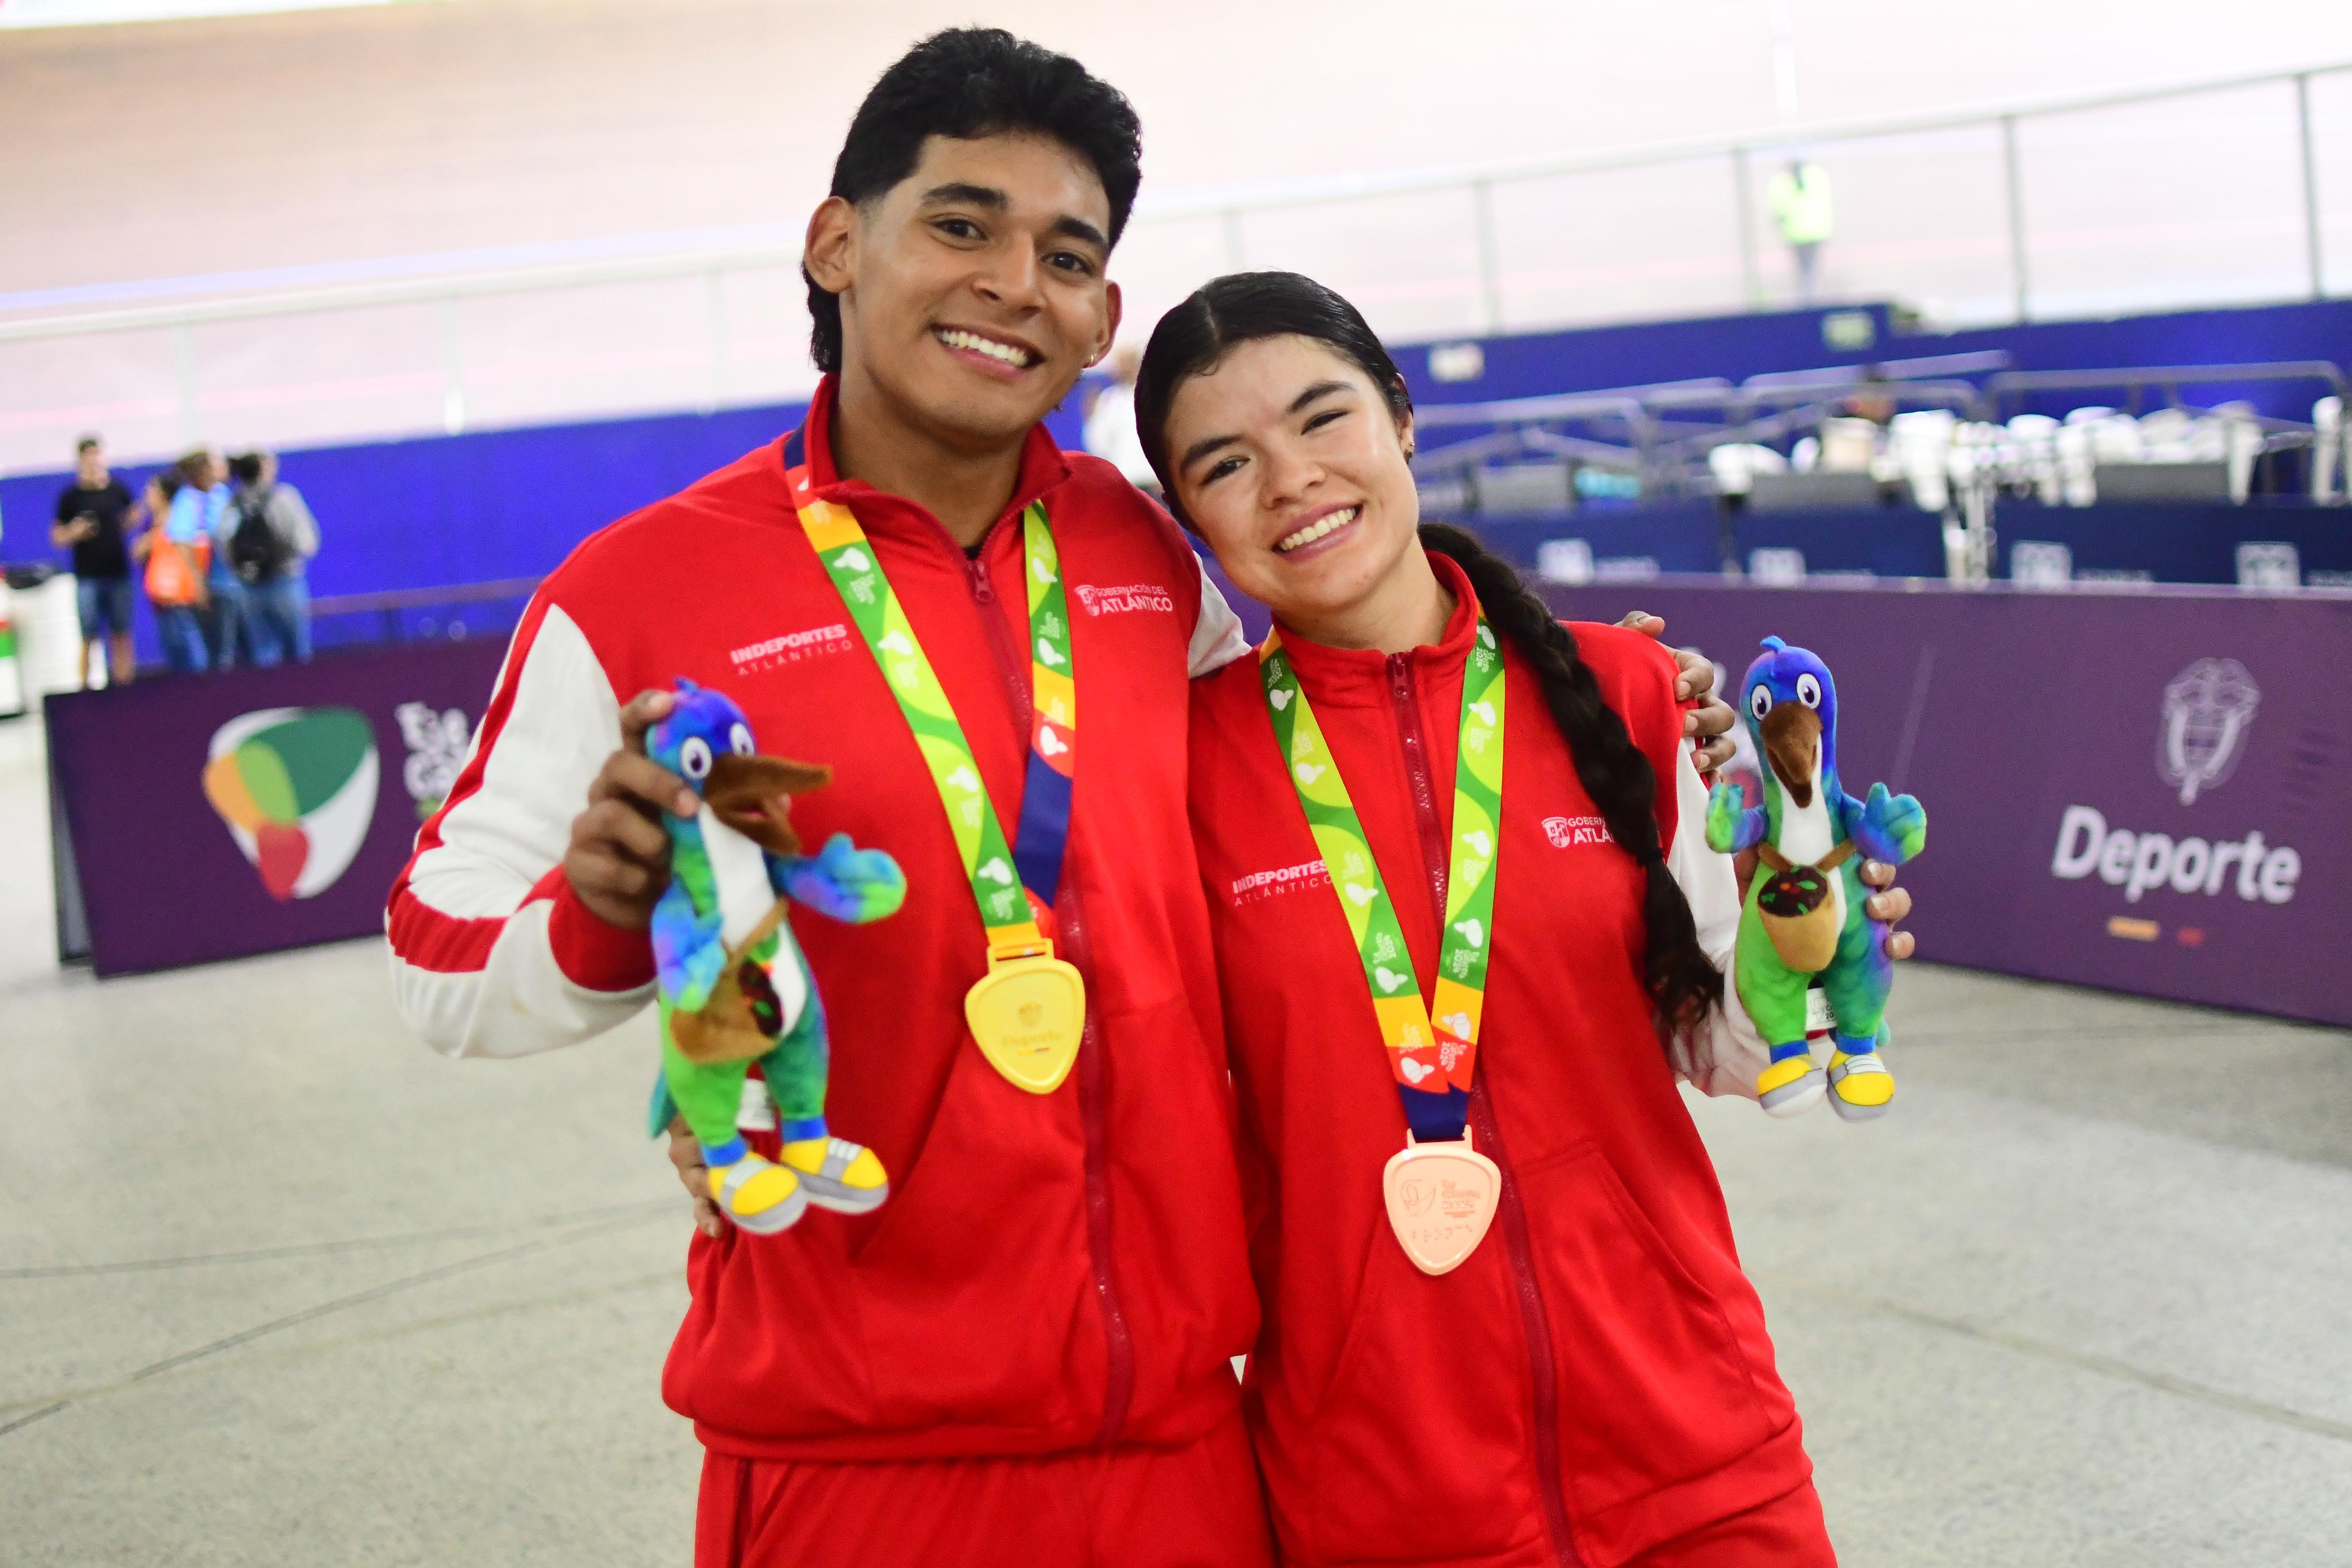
(282, 1286)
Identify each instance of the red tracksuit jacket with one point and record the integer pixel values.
(1049, 1272)
(1596, 1378)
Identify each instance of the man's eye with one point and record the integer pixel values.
(1223, 467)
(959, 228)
(1070, 261)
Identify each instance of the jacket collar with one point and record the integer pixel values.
(1366, 675)
(1043, 468)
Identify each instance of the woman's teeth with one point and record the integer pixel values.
(1006, 352)
(1329, 522)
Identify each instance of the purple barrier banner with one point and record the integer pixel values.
(2142, 792)
(218, 815)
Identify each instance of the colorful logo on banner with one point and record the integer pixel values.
(296, 788)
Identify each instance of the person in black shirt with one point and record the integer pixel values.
(94, 513)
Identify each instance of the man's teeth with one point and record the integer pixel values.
(989, 346)
(1316, 529)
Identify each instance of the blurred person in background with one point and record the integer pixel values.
(1110, 423)
(94, 514)
(201, 510)
(1799, 198)
(175, 553)
(271, 539)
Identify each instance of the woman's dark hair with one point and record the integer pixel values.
(969, 82)
(168, 480)
(1243, 306)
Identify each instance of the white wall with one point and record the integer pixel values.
(314, 142)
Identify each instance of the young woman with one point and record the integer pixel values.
(1586, 1380)
(175, 586)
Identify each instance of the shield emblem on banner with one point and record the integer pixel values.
(2208, 711)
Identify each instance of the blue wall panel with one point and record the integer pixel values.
(500, 504)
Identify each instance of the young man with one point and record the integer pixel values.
(272, 538)
(93, 515)
(1027, 1347)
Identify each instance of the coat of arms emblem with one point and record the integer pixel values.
(2208, 709)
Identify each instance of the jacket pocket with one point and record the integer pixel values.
(971, 1292)
(1653, 1386)
(1420, 1447)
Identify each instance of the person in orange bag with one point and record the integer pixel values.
(1468, 937)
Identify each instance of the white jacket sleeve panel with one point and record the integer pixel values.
(1217, 636)
(1727, 1054)
(491, 953)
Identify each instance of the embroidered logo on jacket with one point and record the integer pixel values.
(792, 648)
(1119, 600)
(1568, 833)
(1264, 884)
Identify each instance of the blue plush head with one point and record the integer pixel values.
(706, 741)
(1789, 704)
(703, 725)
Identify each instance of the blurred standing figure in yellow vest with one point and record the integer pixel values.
(1800, 195)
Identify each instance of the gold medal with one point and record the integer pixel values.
(1440, 1197)
(1028, 1014)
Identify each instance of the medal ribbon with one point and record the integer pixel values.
(1433, 1046)
(999, 874)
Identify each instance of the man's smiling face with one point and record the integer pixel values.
(972, 292)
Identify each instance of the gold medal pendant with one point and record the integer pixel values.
(1440, 1197)
(1028, 1014)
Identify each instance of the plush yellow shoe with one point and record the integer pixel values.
(1790, 1086)
(1860, 1085)
(759, 1196)
(839, 1175)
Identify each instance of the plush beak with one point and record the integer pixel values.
(1793, 742)
(753, 795)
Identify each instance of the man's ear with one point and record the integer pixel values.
(1113, 306)
(830, 250)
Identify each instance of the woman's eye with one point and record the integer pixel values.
(1320, 420)
(1809, 690)
(1759, 701)
(1223, 468)
(693, 757)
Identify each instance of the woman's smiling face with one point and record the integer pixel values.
(1288, 460)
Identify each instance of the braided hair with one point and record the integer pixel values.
(1680, 979)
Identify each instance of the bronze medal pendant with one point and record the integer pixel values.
(1027, 1015)
(1440, 1200)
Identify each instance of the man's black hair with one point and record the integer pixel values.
(246, 467)
(970, 82)
(84, 445)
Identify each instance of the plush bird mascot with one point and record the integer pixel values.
(1803, 915)
(734, 986)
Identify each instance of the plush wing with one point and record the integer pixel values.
(842, 881)
(1730, 827)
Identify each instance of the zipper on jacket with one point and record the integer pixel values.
(1118, 1381)
(1489, 1141)
(1000, 639)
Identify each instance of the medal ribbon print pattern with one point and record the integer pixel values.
(1432, 1052)
(998, 877)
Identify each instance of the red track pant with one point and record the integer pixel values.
(1194, 1507)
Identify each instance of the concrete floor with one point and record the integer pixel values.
(282, 1286)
